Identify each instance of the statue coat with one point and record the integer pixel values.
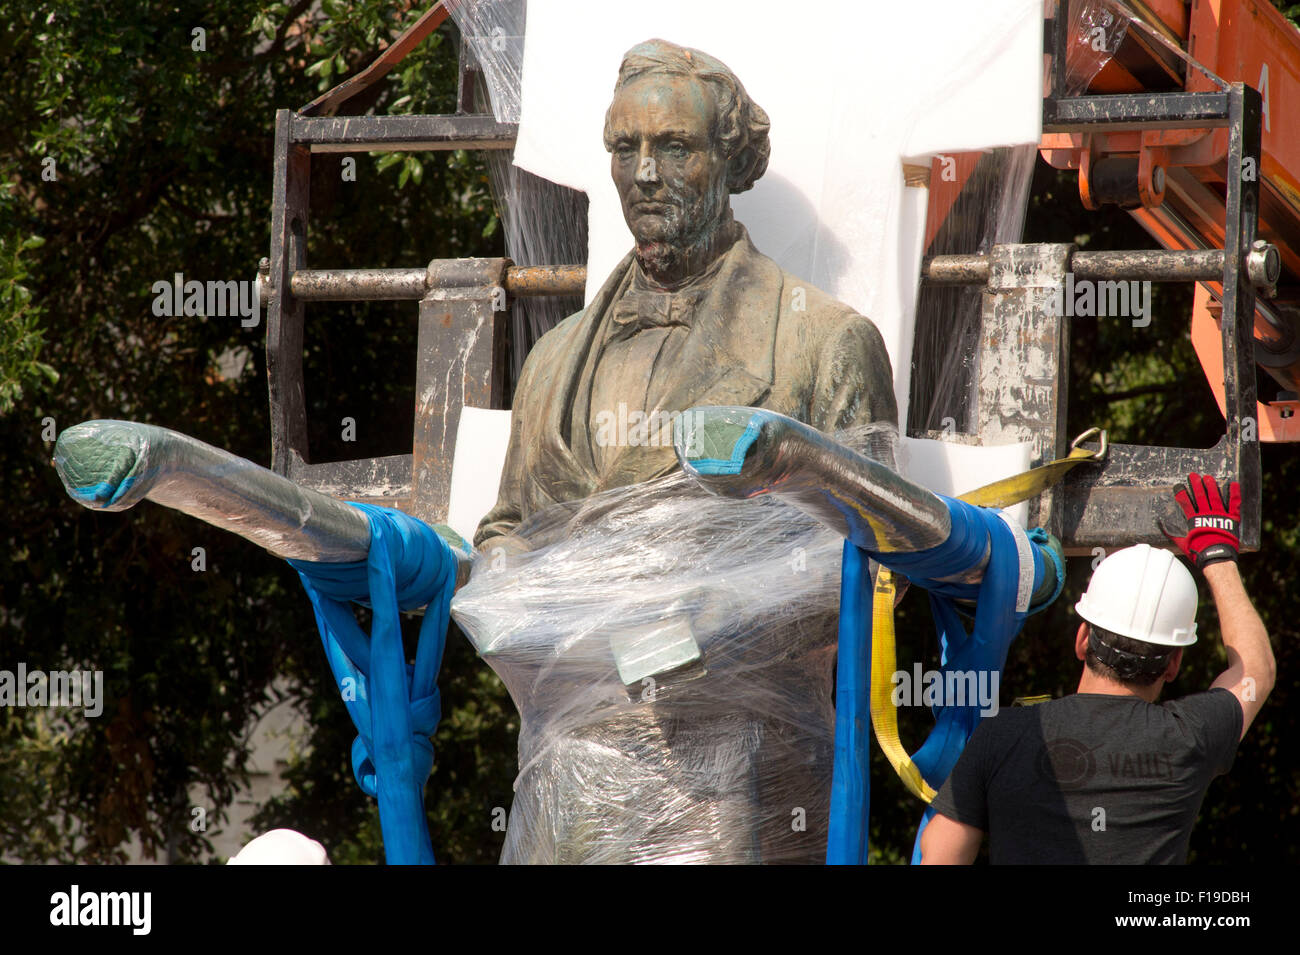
(760, 337)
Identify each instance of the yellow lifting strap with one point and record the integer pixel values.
(1031, 483)
(884, 658)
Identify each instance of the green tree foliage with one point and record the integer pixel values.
(21, 336)
(156, 154)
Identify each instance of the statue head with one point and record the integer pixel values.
(682, 135)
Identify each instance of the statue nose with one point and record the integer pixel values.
(646, 170)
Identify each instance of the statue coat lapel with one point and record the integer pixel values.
(727, 359)
(564, 457)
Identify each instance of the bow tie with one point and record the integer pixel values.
(639, 309)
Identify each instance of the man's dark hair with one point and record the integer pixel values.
(1125, 660)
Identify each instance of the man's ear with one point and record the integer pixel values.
(1171, 670)
(1081, 641)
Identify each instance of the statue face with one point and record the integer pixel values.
(670, 175)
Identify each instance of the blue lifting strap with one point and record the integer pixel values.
(1001, 608)
(394, 705)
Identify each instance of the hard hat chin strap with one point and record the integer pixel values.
(1127, 666)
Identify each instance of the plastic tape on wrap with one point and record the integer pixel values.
(394, 706)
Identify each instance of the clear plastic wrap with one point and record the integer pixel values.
(726, 757)
(544, 223)
(494, 32)
(113, 465)
(1097, 29)
(1113, 35)
(990, 211)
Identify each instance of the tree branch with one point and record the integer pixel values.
(1163, 388)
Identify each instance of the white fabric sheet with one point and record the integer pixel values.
(954, 469)
(481, 442)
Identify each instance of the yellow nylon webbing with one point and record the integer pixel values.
(884, 656)
(884, 661)
(1021, 487)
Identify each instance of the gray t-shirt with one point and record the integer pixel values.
(1092, 778)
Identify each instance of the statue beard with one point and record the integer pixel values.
(660, 258)
(683, 255)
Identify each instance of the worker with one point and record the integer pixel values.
(1107, 775)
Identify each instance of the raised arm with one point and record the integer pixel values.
(1251, 669)
(1212, 542)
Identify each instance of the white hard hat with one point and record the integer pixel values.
(281, 847)
(1145, 594)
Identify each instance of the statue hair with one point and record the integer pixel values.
(742, 125)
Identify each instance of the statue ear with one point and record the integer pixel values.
(739, 170)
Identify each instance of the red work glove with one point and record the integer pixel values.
(1213, 522)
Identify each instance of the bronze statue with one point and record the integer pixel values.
(596, 547)
(695, 315)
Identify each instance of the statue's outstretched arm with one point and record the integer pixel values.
(113, 465)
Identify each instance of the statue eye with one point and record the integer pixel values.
(677, 150)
